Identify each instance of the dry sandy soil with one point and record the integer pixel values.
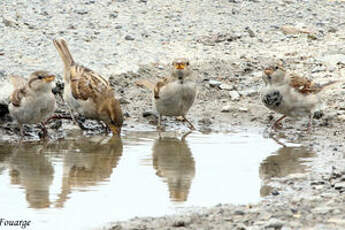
(228, 43)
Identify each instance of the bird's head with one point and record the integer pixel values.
(41, 80)
(181, 69)
(110, 112)
(274, 74)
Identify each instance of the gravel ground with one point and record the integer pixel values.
(228, 42)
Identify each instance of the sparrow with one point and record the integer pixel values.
(32, 100)
(174, 95)
(290, 94)
(88, 93)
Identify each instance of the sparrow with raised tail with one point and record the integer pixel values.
(32, 100)
(88, 93)
(174, 95)
(289, 94)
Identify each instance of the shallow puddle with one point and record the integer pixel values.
(86, 182)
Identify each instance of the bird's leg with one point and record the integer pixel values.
(21, 128)
(276, 123)
(44, 130)
(159, 125)
(277, 140)
(309, 123)
(71, 113)
(190, 125)
(185, 135)
(69, 110)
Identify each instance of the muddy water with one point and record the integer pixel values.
(86, 182)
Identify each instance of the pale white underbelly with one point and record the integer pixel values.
(292, 103)
(33, 110)
(175, 99)
(86, 108)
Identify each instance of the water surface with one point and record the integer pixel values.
(85, 182)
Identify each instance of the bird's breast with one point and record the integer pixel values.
(272, 99)
(175, 99)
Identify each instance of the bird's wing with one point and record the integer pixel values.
(155, 87)
(160, 84)
(146, 83)
(18, 95)
(86, 83)
(304, 85)
(17, 81)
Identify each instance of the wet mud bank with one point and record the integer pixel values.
(311, 195)
(228, 43)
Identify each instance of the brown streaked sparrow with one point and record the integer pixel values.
(88, 93)
(290, 94)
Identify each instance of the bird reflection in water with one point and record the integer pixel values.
(89, 163)
(5, 153)
(31, 168)
(86, 162)
(173, 161)
(286, 161)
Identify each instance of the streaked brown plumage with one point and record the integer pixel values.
(17, 96)
(306, 86)
(159, 85)
(88, 93)
(290, 94)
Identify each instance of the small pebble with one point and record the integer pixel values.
(234, 95)
(129, 38)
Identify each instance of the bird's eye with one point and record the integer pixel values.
(40, 77)
(187, 63)
(276, 67)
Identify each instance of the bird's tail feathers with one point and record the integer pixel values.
(17, 81)
(62, 48)
(328, 84)
(145, 83)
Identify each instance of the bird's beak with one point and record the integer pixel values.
(179, 65)
(268, 71)
(116, 130)
(49, 78)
